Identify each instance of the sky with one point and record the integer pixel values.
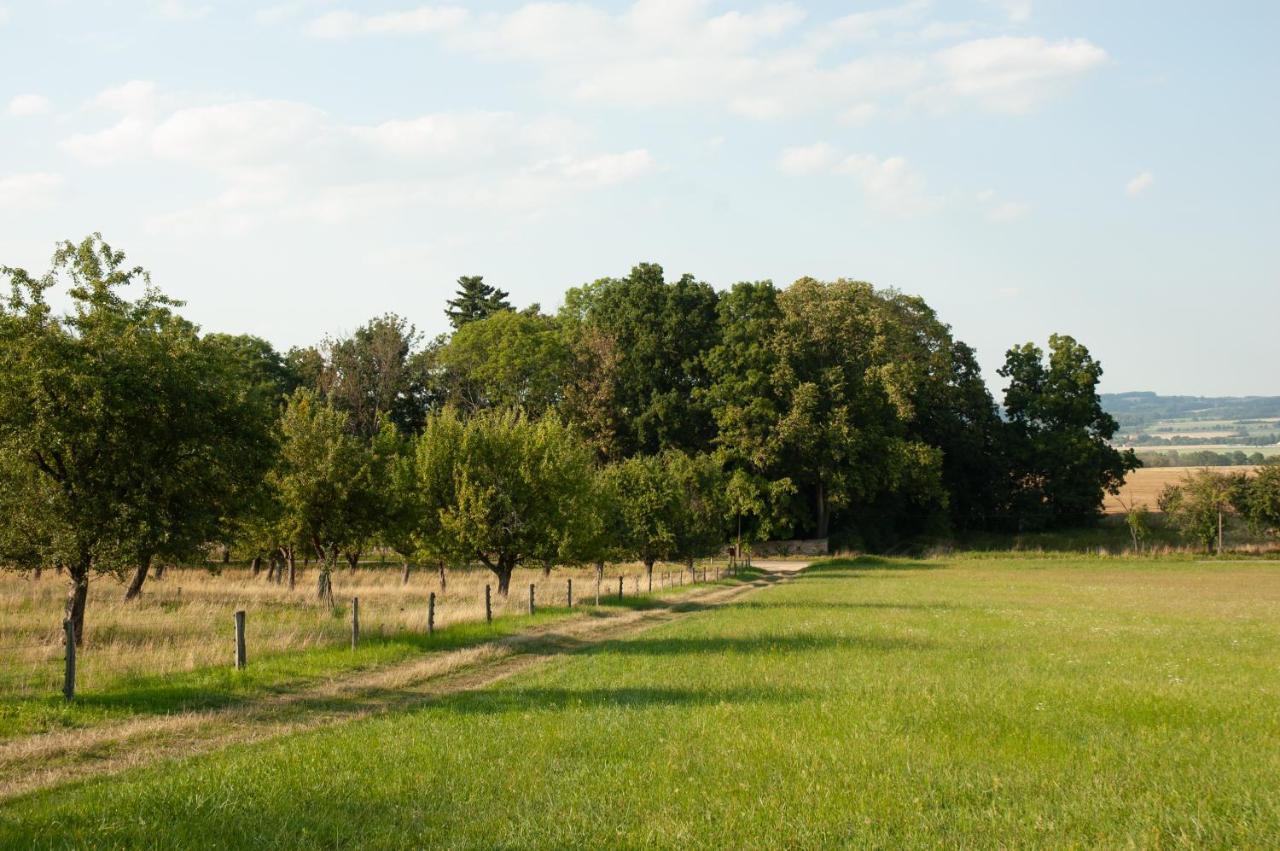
(292, 169)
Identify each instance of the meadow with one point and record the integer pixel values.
(977, 701)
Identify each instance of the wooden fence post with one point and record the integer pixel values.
(619, 587)
(355, 622)
(431, 614)
(531, 606)
(69, 676)
(241, 659)
(570, 595)
(488, 606)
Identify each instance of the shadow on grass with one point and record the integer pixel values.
(815, 605)
(847, 566)
(756, 644)
(555, 699)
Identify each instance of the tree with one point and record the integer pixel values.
(507, 360)
(1057, 438)
(375, 374)
(646, 506)
(1257, 499)
(658, 333)
(1197, 506)
(134, 437)
(401, 514)
(475, 300)
(810, 395)
(506, 488)
(324, 482)
(698, 506)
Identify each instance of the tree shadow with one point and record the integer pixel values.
(757, 644)
(851, 566)
(819, 606)
(629, 697)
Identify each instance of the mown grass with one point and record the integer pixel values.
(870, 703)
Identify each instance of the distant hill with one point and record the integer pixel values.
(1141, 408)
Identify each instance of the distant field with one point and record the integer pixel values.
(1145, 485)
(871, 703)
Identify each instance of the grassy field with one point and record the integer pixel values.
(171, 650)
(979, 702)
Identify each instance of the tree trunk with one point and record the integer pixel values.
(693, 576)
(273, 571)
(291, 563)
(158, 573)
(353, 559)
(226, 554)
(404, 578)
(546, 570)
(648, 571)
(76, 596)
(443, 581)
(255, 566)
(504, 570)
(599, 579)
(324, 580)
(823, 518)
(37, 572)
(139, 577)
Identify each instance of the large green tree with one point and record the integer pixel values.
(506, 488)
(325, 483)
(1057, 440)
(657, 333)
(509, 360)
(136, 437)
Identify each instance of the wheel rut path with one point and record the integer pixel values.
(52, 759)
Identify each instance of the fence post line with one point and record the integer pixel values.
(69, 676)
(531, 606)
(431, 614)
(488, 605)
(355, 622)
(570, 596)
(241, 659)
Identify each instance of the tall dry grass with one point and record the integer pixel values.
(184, 620)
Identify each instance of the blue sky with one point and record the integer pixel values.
(1105, 169)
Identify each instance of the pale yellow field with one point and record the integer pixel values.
(183, 621)
(1144, 485)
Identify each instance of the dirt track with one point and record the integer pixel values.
(50, 759)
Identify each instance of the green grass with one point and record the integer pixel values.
(888, 703)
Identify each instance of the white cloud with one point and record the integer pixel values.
(126, 140)
(807, 159)
(136, 97)
(245, 133)
(1002, 210)
(23, 106)
(608, 169)
(180, 10)
(33, 189)
(467, 135)
(1010, 74)
(1019, 11)
(342, 23)
(284, 160)
(764, 62)
(1139, 184)
(890, 184)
